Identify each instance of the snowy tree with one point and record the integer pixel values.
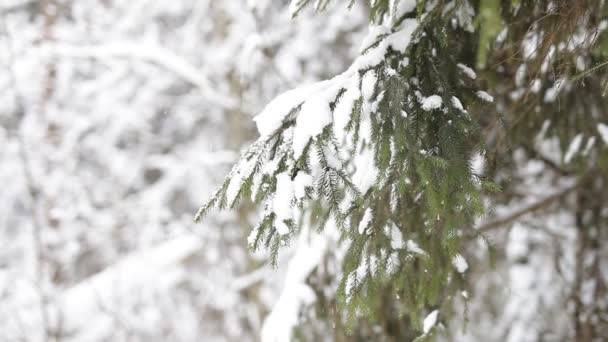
(467, 140)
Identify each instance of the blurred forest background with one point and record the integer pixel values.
(118, 118)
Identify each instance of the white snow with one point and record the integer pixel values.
(357, 276)
(603, 129)
(314, 115)
(467, 71)
(414, 248)
(398, 8)
(150, 53)
(485, 96)
(295, 6)
(589, 145)
(552, 93)
(457, 104)
(398, 41)
(460, 263)
(240, 171)
(366, 172)
(271, 118)
(366, 220)
(396, 237)
(432, 102)
(368, 84)
(296, 294)
(535, 86)
(543, 131)
(429, 321)
(520, 74)
(301, 182)
(80, 301)
(502, 36)
(374, 32)
(282, 202)
(530, 45)
(81, 307)
(478, 163)
(575, 146)
(258, 5)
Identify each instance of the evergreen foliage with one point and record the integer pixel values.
(384, 151)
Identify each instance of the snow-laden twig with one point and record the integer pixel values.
(81, 301)
(81, 307)
(32, 189)
(543, 203)
(149, 53)
(247, 280)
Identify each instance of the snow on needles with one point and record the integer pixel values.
(603, 129)
(485, 96)
(467, 71)
(414, 248)
(282, 202)
(429, 321)
(314, 115)
(398, 8)
(271, 118)
(460, 263)
(310, 107)
(457, 104)
(368, 84)
(313, 100)
(575, 146)
(366, 220)
(301, 182)
(432, 102)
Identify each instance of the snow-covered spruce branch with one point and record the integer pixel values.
(383, 151)
(149, 53)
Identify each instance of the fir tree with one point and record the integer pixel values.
(388, 152)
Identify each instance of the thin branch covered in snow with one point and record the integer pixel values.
(150, 53)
